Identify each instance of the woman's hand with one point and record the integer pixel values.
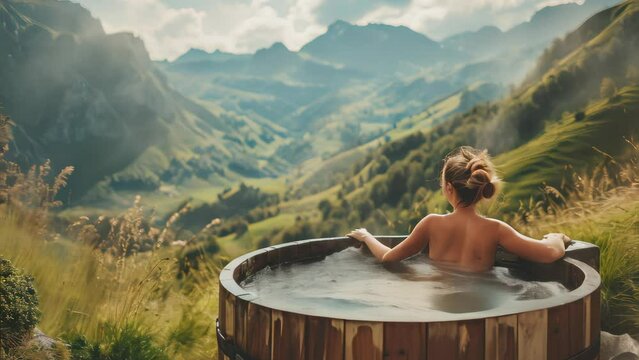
(359, 234)
(563, 237)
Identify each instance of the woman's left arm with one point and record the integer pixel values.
(414, 243)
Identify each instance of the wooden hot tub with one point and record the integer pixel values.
(560, 327)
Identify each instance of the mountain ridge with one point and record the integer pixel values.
(98, 102)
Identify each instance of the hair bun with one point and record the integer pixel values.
(478, 178)
(488, 190)
(481, 180)
(471, 173)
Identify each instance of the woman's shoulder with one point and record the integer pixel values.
(433, 217)
(433, 220)
(428, 221)
(495, 223)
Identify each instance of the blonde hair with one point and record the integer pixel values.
(471, 173)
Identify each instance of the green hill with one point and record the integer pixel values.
(320, 174)
(96, 101)
(575, 142)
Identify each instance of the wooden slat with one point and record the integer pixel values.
(558, 335)
(595, 313)
(289, 254)
(257, 263)
(471, 339)
(229, 316)
(241, 331)
(577, 327)
(304, 251)
(501, 337)
(314, 338)
(576, 277)
(287, 331)
(507, 337)
(406, 341)
(277, 323)
(442, 340)
(490, 334)
(324, 338)
(259, 332)
(532, 341)
(319, 248)
(221, 316)
(239, 273)
(587, 321)
(363, 340)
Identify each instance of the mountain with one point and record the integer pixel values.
(353, 83)
(380, 49)
(533, 35)
(196, 55)
(81, 97)
(276, 62)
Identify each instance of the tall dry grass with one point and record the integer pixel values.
(106, 274)
(601, 207)
(31, 195)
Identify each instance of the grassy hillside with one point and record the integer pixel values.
(575, 142)
(320, 173)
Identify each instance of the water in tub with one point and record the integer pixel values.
(352, 282)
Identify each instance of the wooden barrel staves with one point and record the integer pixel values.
(566, 326)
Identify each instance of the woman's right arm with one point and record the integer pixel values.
(550, 248)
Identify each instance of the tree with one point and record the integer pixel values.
(396, 184)
(379, 166)
(325, 208)
(240, 227)
(364, 208)
(379, 193)
(415, 176)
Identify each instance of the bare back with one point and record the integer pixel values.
(467, 240)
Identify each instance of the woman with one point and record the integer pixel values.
(465, 238)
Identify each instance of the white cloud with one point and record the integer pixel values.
(441, 18)
(171, 27)
(557, 2)
(230, 26)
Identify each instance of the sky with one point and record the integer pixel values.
(171, 27)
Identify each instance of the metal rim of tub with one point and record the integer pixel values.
(581, 279)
